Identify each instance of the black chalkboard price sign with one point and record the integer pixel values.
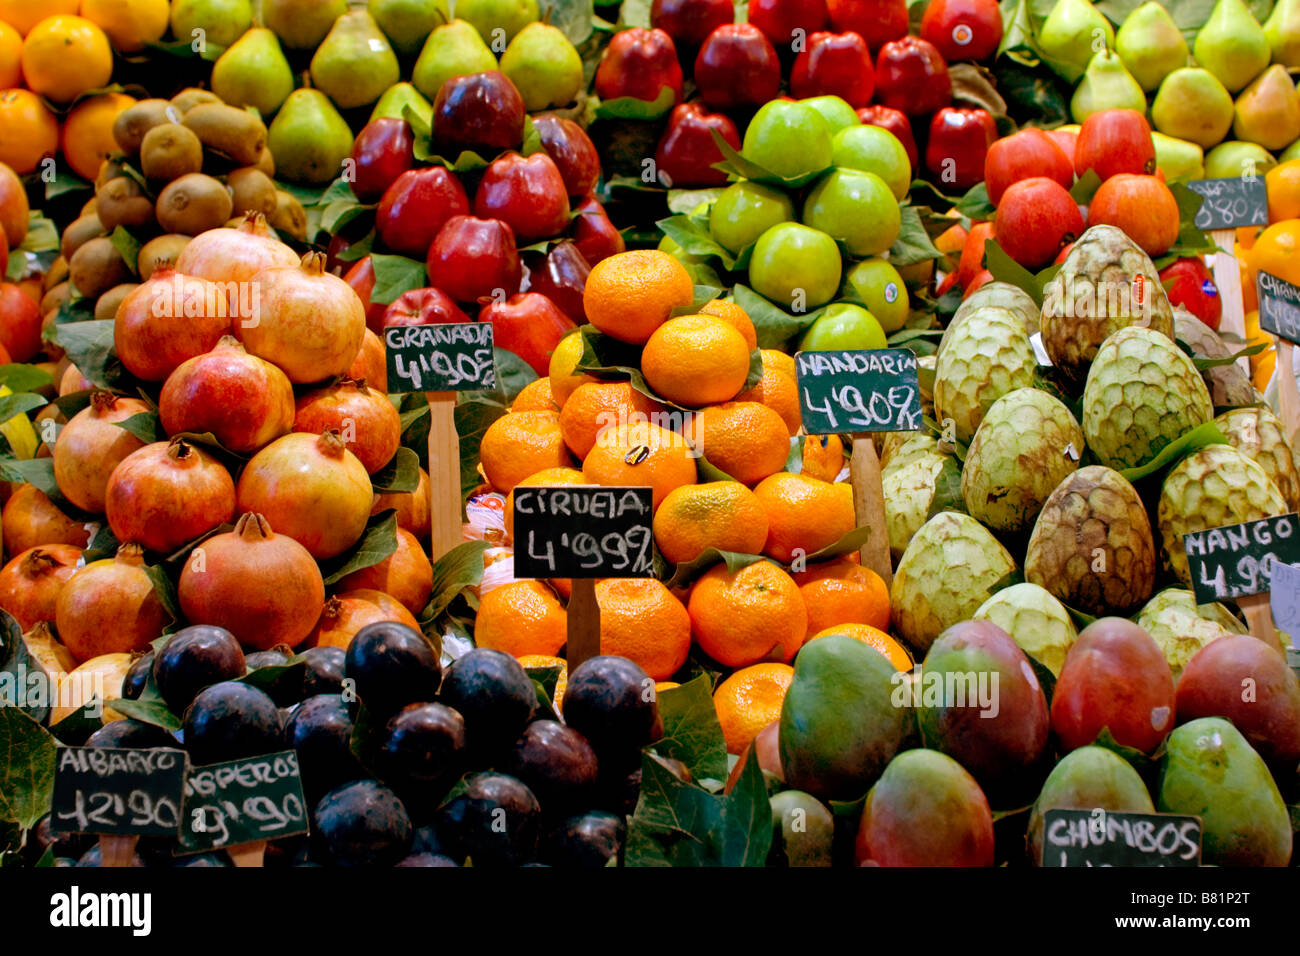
(865, 390)
(242, 801)
(448, 357)
(583, 532)
(1279, 306)
(1105, 838)
(1236, 560)
(1229, 203)
(118, 791)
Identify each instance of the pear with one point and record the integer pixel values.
(497, 21)
(542, 62)
(396, 98)
(309, 138)
(1179, 160)
(1283, 31)
(1233, 159)
(1268, 111)
(222, 21)
(301, 24)
(1193, 105)
(1106, 86)
(1290, 153)
(1071, 35)
(452, 49)
(1232, 45)
(253, 72)
(354, 64)
(408, 22)
(1151, 45)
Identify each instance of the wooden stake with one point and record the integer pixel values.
(584, 623)
(1288, 391)
(117, 849)
(444, 474)
(1227, 276)
(1259, 617)
(869, 506)
(248, 854)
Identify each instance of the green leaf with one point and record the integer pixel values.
(706, 471)
(532, 142)
(104, 544)
(688, 571)
(685, 200)
(1086, 186)
(847, 543)
(1046, 679)
(35, 471)
(695, 240)
(975, 203)
(149, 711)
(1190, 441)
(1141, 762)
(773, 325)
(393, 276)
(378, 541)
(89, 346)
(513, 373)
(607, 357)
(631, 108)
(359, 249)
(913, 244)
(42, 234)
(737, 165)
(18, 404)
(473, 416)
(340, 190)
(24, 378)
(73, 729)
(146, 426)
(1202, 363)
(458, 569)
(1006, 269)
(17, 660)
(341, 212)
(66, 182)
(166, 591)
(415, 420)
(288, 674)
(947, 489)
(692, 733)
(399, 475)
(26, 768)
(546, 678)
(127, 246)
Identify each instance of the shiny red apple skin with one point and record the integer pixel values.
(896, 121)
(958, 144)
(525, 192)
(473, 259)
(593, 233)
(835, 64)
(912, 76)
(427, 306)
(528, 324)
(737, 68)
(382, 151)
(686, 153)
(878, 21)
(482, 112)
(787, 23)
(639, 63)
(561, 275)
(362, 279)
(1189, 283)
(689, 22)
(416, 205)
(572, 151)
(963, 29)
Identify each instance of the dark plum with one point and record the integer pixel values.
(132, 735)
(137, 676)
(391, 666)
(494, 694)
(557, 764)
(588, 841)
(231, 720)
(494, 822)
(320, 731)
(421, 744)
(362, 823)
(611, 702)
(196, 657)
(324, 674)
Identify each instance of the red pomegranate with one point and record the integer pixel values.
(303, 319)
(261, 586)
(310, 487)
(91, 445)
(342, 617)
(167, 320)
(244, 401)
(413, 508)
(73, 381)
(233, 256)
(406, 574)
(166, 494)
(371, 363)
(367, 420)
(30, 583)
(392, 607)
(109, 607)
(30, 518)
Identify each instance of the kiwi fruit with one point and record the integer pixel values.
(55, 296)
(110, 168)
(193, 204)
(121, 202)
(80, 231)
(234, 133)
(252, 191)
(134, 121)
(159, 251)
(266, 162)
(192, 96)
(106, 305)
(88, 208)
(170, 151)
(96, 267)
(288, 216)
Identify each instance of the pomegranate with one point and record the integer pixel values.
(367, 420)
(406, 574)
(73, 381)
(303, 319)
(100, 677)
(261, 586)
(30, 518)
(244, 401)
(166, 494)
(413, 507)
(30, 583)
(233, 256)
(392, 607)
(371, 362)
(91, 445)
(109, 607)
(167, 320)
(342, 617)
(310, 487)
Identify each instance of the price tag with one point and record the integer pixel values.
(1284, 598)
(1237, 560)
(1279, 307)
(118, 791)
(1104, 838)
(583, 532)
(242, 801)
(447, 357)
(867, 390)
(1229, 203)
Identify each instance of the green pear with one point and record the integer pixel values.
(1283, 31)
(1178, 159)
(308, 138)
(542, 62)
(1106, 86)
(253, 72)
(451, 50)
(301, 24)
(1151, 45)
(395, 100)
(1233, 159)
(1193, 105)
(1268, 111)
(222, 21)
(406, 23)
(354, 64)
(1071, 35)
(497, 21)
(1232, 45)
(1290, 153)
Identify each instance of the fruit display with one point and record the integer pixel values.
(229, 529)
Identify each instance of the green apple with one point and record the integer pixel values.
(880, 287)
(874, 150)
(836, 112)
(744, 211)
(843, 326)
(856, 207)
(788, 138)
(795, 266)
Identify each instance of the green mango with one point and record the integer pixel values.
(1089, 778)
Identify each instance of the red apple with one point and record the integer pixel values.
(1023, 155)
(561, 276)
(426, 306)
(836, 64)
(878, 21)
(362, 279)
(1188, 283)
(963, 29)
(1067, 139)
(689, 22)
(639, 63)
(382, 151)
(1115, 141)
(595, 236)
(912, 76)
(896, 121)
(528, 324)
(1035, 218)
(686, 153)
(339, 243)
(958, 144)
(478, 111)
(20, 323)
(737, 68)
(572, 151)
(525, 192)
(416, 205)
(473, 259)
(780, 21)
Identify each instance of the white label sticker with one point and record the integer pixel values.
(1284, 598)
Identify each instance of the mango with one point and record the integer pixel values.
(1089, 778)
(803, 830)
